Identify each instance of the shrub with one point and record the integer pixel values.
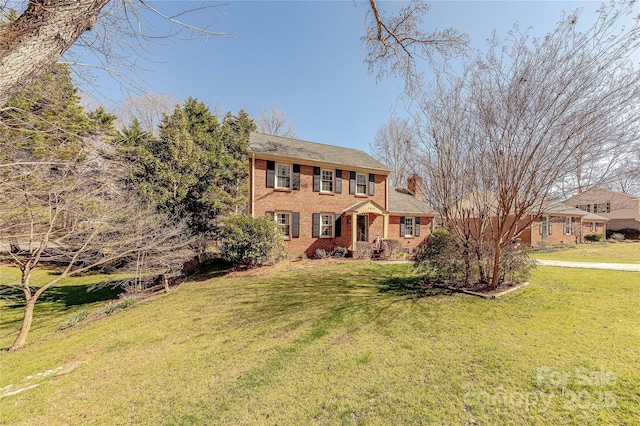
(616, 236)
(109, 308)
(125, 302)
(251, 242)
(391, 247)
(302, 256)
(593, 238)
(340, 252)
(321, 254)
(439, 256)
(76, 317)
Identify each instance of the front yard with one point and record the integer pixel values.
(626, 252)
(353, 343)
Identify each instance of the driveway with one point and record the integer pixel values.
(590, 265)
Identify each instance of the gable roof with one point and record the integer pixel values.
(403, 201)
(594, 190)
(261, 143)
(564, 209)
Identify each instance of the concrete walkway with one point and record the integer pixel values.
(590, 265)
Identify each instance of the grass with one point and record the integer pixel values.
(356, 343)
(595, 252)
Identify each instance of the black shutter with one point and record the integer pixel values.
(352, 182)
(337, 229)
(372, 184)
(296, 176)
(402, 228)
(338, 181)
(316, 225)
(271, 174)
(270, 215)
(417, 227)
(316, 179)
(295, 225)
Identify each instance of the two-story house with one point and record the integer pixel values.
(622, 210)
(324, 196)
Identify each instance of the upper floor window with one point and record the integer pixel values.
(283, 176)
(327, 181)
(361, 184)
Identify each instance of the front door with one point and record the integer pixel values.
(362, 227)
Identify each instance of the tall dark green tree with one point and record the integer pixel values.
(196, 168)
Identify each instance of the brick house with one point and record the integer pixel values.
(324, 196)
(562, 224)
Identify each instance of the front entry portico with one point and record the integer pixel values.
(363, 217)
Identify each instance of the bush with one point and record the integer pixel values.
(251, 242)
(593, 238)
(616, 236)
(391, 247)
(76, 317)
(109, 308)
(125, 302)
(340, 252)
(321, 254)
(439, 256)
(627, 233)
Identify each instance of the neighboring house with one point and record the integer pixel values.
(557, 223)
(324, 196)
(622, 210)
(562, 224)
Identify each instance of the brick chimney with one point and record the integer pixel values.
(414, 184)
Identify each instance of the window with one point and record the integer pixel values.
(568, 226)
(594, 227)
(602, 208)
(326, 225)
(543, 226)
(361, 184)
(283, 176)
(283, 219)
(408, 226)
(327, 181)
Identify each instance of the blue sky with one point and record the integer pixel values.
(306, 58)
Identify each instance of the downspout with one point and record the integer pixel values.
(253, 183)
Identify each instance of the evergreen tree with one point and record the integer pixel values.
(196, 168)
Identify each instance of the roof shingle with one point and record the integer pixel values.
(261, 143)
(403, 201)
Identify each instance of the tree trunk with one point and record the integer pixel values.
(38, 38)
(27, 319)
(496, 266)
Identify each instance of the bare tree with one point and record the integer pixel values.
(274, 122)
(75, 216)
(395, 146)
(148, 108)
(512, 124)
(46, 29)
(396, 43)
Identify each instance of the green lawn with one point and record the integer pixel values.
(596, 252)
(347, 344)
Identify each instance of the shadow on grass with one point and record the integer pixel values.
(411, 286)
(68, 295)
(214, 268)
